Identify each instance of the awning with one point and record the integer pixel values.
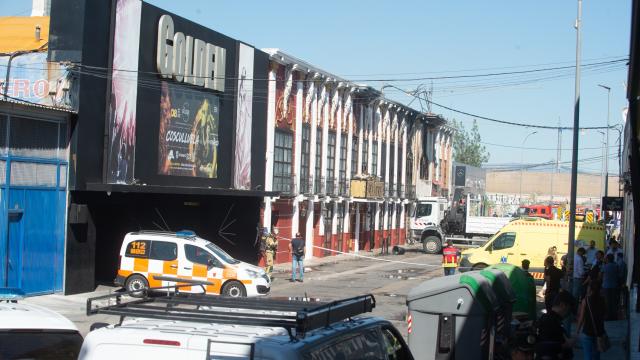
(156, 189)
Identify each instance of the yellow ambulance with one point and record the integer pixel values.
(531, 239)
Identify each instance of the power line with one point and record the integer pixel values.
(504, 122)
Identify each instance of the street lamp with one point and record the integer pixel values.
(522, 161)
(606, 158)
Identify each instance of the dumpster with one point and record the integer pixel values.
(524, 287)
(452, 317)
(506, 297)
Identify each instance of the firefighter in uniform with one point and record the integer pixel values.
(270, 244)
(450, 258)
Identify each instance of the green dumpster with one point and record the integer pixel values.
(452, 317)
(524, 287)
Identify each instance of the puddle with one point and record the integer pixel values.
(405, 274)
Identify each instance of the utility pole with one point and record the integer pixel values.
(574, 157)
(606, 158)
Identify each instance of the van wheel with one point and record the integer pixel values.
(233, 289)
(136, 283)
(479, 266)
(431, 245)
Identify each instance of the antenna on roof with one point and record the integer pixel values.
(162, 218)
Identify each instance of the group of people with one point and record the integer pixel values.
(269, 248)
(599, 280)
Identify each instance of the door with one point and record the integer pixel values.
(504, 250)
(13, 252)
(202, 265)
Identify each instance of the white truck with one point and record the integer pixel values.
(432, 223)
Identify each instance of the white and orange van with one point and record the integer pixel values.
(157, 259)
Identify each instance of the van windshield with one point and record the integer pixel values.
(222, 254)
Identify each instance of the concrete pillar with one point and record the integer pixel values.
(349, 119)
(337, 97)
(345, 218)
(369, 126)
(403, 171)
(402, 215)
(295, 217)
(321, 220)
(313, 93)
(396, 151)
(325, 130)
(387, 162)
(334, 219)
(271, 121)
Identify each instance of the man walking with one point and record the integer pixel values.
(296, 247)
(270, 244)
(578, 273)
(450, 259)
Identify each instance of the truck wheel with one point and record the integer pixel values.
(431, 245)
(233, 289)
(136, 283)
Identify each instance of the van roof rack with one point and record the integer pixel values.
(299, 315)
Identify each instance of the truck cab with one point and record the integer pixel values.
(428, 211)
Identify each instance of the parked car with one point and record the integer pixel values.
(35, 332)
(198, 326)
(161, 259)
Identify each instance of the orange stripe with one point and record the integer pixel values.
(229, 273)
(199, 270)
(215, 288)
(153, 282)
(167, 268)
(246, 282)
(140, 264)
(124, 273)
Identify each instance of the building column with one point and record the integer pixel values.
(348, 115)
(337, 98)
(298, 136)
(387, 134)
(376, 221)
(308, 241)
(369, 125)
(360, 139)
(356, 241)
(403, 171)
(325, 130)
(271, 123)
(346, 226)
(295, 217)
(313, 123)
(334, 219)
(379, 134)
(396, 153)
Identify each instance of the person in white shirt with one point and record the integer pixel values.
(591, 253)
(614, 248)
(578, 273)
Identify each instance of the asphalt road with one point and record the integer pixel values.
(389, 278)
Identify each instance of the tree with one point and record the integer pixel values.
(467, 145)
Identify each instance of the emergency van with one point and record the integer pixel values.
(531, 239)
(161, 259)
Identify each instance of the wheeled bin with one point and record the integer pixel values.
(524, 287)
(451, 317)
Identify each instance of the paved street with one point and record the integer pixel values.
(327, 278)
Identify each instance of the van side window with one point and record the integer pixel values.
(163, 250)
(363, 346)
(138, 248)
(504, 241)
(197, 255)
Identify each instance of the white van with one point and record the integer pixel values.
(34, 332)
(159, 259)
(202, 327)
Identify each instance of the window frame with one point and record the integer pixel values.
(282, 160)
(500, 237)
(217, 262)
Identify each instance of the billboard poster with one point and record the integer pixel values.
(244, 121)
(124, 92)
(188, 136)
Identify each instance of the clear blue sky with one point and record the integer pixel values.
(364, 40)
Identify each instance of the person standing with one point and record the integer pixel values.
(553, 340)
(591, 321)
(270, 249)
(450, 258)
(610, 287)
(525, 266)
(578, 273)
(296, 247)
(591, 253)
(622, 280)
(552, 276)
